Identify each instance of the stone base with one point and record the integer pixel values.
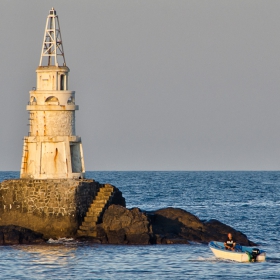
(54, 208)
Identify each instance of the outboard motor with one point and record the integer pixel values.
(255, 253)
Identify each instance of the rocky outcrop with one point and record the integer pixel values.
(11, 235)
(133, 226)
(173, 225)
(165, 226)
(123, 226)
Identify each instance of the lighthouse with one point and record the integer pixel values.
(52, 150)
(52, 195)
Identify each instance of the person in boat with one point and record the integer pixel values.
(230, 243)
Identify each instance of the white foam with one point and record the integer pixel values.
(60, 240)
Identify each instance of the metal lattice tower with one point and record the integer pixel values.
(52, 43)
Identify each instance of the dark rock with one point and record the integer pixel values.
(124, 226)
(165, 226)
(118, 199)
(218, 231)
(1, 238)
(176, 225)
(133, 226)
(116, 236)
(11, 235)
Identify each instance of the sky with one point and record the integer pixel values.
(161, 85)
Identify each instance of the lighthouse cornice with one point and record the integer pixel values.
(47, 91)
(52, 107)
(52, 68)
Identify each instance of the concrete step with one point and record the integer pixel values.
(91, 219)
(92, 233)
(107, 186)
(103, 195)
(82, 232)
(98, 206)
(92, 213)
(86, 228)
(95, 209)
(86, 224)
(89, 224)
(106, 190)
(99, 202)
(87, 233)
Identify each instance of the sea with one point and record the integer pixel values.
(248, 201)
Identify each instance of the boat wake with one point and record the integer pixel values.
(205, 259)
(273, 260)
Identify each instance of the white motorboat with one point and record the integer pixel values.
(239, 254)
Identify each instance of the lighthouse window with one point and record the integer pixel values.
(62, 82)
(71, 100)
(52, 100)
(33, 100)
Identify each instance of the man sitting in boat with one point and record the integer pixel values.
(230, 243)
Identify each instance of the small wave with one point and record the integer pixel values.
(204, 259)
(273, 260)
(62, 240)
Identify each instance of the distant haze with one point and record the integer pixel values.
(161, 85)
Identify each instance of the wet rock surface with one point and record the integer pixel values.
(134, 226)
(12, 235)
(165, 226)
(171, 224)
(124, 226)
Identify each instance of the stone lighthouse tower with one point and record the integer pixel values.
(52, 150)
(52, 197)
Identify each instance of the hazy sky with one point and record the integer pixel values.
(161, 85)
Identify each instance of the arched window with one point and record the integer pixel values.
(33, 100)
(71, 100)
(52, 100)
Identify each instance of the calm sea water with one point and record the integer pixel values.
(247, 201)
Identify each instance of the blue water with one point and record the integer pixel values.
(247, 201)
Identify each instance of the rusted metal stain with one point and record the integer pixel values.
(55, 158)
(25, 156)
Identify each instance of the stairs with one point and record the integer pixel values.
(96, 210)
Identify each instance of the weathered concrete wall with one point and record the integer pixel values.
(52, 207)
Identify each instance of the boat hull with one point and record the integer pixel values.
(243, 253)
